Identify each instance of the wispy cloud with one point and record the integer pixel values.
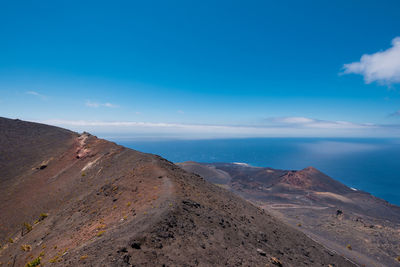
(34, 93)
(315, 123)
(274, 127)
(97, 104)
(291, 120)
(382, 67)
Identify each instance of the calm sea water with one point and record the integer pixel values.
(372, 165)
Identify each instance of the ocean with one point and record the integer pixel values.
(371, 165)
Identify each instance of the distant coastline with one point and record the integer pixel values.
(365, 164)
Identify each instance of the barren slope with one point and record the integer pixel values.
(326, 210)
(106, 205)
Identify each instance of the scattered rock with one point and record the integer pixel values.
(42, 167)
(261, 252)
(127, 258)
(136, 245)
(276, 262)
(122, 250)
(191, 203)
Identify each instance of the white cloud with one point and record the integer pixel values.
(32, 93)
(109, 105)
(96, 104)
(295, 120)
(314, 123)
(382, 67)
(276, 127)
(92, 104)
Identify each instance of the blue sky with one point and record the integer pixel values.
(205, 69)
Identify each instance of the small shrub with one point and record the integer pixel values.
(84, 257)
(299, 224)
(28, 227)
(100, 233)
(54, 260)
(43, 216)
(34, 263)
(101, 226)
(10, 240)
(26, 248)
(128, 204)
(83, 174)
(349, 247)
(398, 258)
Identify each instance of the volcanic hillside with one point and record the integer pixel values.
(69, 199)
(354, 223)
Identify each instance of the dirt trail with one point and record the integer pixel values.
(354, 256)
(293, 206)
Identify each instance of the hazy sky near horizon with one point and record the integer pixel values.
(203, 69)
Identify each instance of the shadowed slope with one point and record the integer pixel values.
(25, 145)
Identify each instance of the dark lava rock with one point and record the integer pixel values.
(122, 250)
(43, 167)
(136, 245)
(261, 252)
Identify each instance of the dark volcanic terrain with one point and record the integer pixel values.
(69, 199)
(356, 224)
